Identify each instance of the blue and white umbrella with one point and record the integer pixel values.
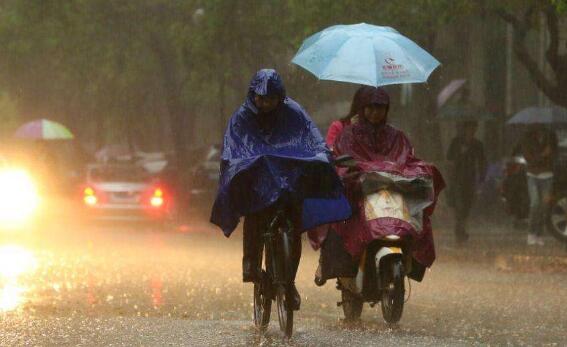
(365, 54)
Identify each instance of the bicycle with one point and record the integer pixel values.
(276, 274)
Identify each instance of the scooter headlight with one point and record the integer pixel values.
(392, 237)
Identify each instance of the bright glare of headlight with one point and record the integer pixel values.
(18, 197)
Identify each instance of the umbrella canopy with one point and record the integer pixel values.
(365, 54)
(43, 129)
(464, 113)
(448, 91)
(540, 115)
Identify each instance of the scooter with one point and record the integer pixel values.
(387, 261)
(382, 270)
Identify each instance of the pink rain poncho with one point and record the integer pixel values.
(385, 156)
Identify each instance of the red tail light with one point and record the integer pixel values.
(90, 198)
(156, 199)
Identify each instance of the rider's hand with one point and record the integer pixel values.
(352, 172)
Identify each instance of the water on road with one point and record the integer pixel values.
(134, 286)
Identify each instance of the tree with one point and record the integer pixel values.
(114, 65)
(129, 67)
(554, 87)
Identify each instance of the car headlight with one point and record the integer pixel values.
(19, 198)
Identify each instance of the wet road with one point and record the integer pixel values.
(124, 286)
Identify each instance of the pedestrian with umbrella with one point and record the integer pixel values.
(466, 154)
(539, 148)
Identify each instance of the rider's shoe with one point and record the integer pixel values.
(249, 271)
(295, 297)
(319, 280)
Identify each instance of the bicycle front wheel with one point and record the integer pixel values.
(262, 299)
(285, 312)
(262, 308)
(283, 295)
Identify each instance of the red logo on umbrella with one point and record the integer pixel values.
(391, 65)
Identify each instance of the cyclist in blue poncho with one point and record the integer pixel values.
(272, 150)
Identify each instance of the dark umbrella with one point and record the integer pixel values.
(540, 115)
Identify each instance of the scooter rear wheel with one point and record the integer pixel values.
(393, 291)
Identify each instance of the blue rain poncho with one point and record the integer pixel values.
(288, 157)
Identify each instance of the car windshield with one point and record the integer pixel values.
(118, 174)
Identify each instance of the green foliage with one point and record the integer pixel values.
(135, 66)
(561, 5)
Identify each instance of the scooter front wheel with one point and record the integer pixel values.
(393, 291)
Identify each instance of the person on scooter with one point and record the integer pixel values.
(337, 126)
(376, 146)
(272, 150)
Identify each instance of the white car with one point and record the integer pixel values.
(124, 192)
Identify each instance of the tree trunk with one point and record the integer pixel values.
(553, 88)
(427, 129)
(181, 126)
